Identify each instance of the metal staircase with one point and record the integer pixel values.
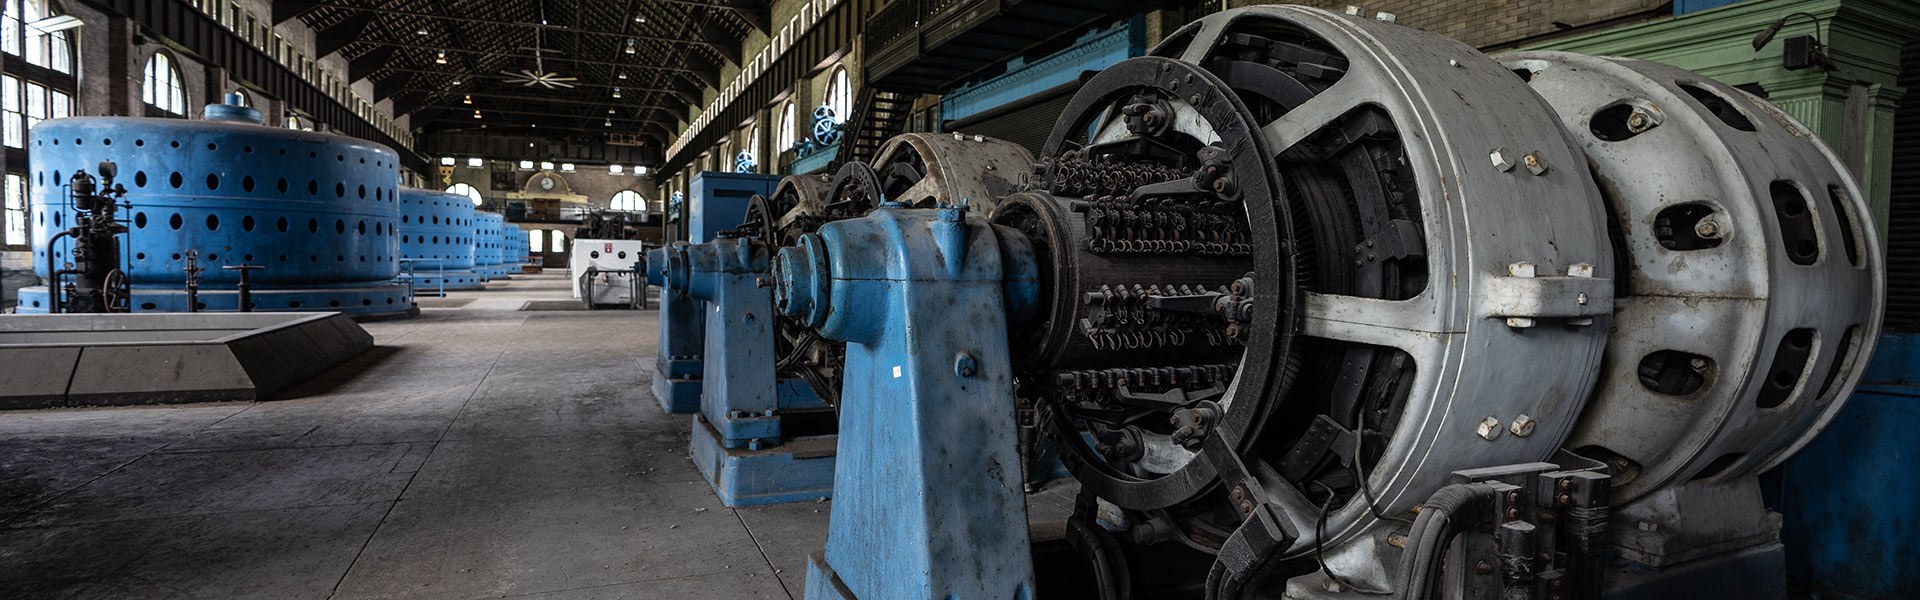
(877, 116)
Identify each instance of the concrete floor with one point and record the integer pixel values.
(479, 451)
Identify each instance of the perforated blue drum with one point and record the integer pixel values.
(436, 241)
(317, 211)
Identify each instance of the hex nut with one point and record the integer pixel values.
(1501, 160)
(1489, 428)
(1522, 426)
(1535, 164)
(1708, 228)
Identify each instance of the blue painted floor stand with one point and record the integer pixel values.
(744, 438)
(927, 487)
(677, 367)
(798, 470)
(676, 385)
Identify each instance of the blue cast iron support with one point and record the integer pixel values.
(927, 491)
(677, 368)
(738, 401)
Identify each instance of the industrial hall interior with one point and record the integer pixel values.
(960, 299)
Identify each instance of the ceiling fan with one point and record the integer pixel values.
(539, 75)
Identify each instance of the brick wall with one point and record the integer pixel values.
(1483, 23)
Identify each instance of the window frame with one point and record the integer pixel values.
(41, 81)
(174, 85)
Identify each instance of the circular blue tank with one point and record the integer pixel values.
(489, 250)
(518, 249)
(317, 211)
(437, 239)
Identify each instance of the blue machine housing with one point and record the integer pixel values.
(436, 241)
(318, 211)
(717, 201)
(913, 515)
(489, 245)
(747, 440)
(677, 367)
(520, 252)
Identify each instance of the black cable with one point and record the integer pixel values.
(1319, 550)
(1366, 491)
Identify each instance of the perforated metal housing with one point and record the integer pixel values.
(318, 211)
(1754, 279)
(437, 238)
(490, 244)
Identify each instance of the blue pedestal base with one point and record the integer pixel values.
(677, 396)
(375, 300)
(822, 582)
(800, 470)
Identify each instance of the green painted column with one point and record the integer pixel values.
(1851, 106)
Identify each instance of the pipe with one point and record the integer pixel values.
(53, 274)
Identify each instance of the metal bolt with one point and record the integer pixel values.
(1639, 120)
(1397, 540)
(1707, 228)
(1581, 298)
(1453, 62)
(1698, 364)
(1522, 269)
(1523, 425)
(1501, 160)
(1647, 526)
(963, 365)
(1239, 493)
(1483, 568)
(1535, 164)
(1490, 426)
(1246, 507)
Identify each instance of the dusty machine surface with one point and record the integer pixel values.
(1315, 306)
(117, 359)
(766, 416)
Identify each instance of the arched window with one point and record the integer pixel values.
(783, 138)
(246, 99)
(629, 201)
(535, 239)
(462, 189)
(839, 94)
(296, 123)
(161, 89)
(558, 243)
(38, 84)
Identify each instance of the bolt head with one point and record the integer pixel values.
(1489, 427)
(1502, 160)
(1535, 164)
(1639, 121)
(1707, 228)
(1522, 426)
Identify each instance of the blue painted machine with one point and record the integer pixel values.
(717, 201)
(677, 367)
(314, 217)
(490, 245)
(436, 241)
(929, 445)
(751, 437)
